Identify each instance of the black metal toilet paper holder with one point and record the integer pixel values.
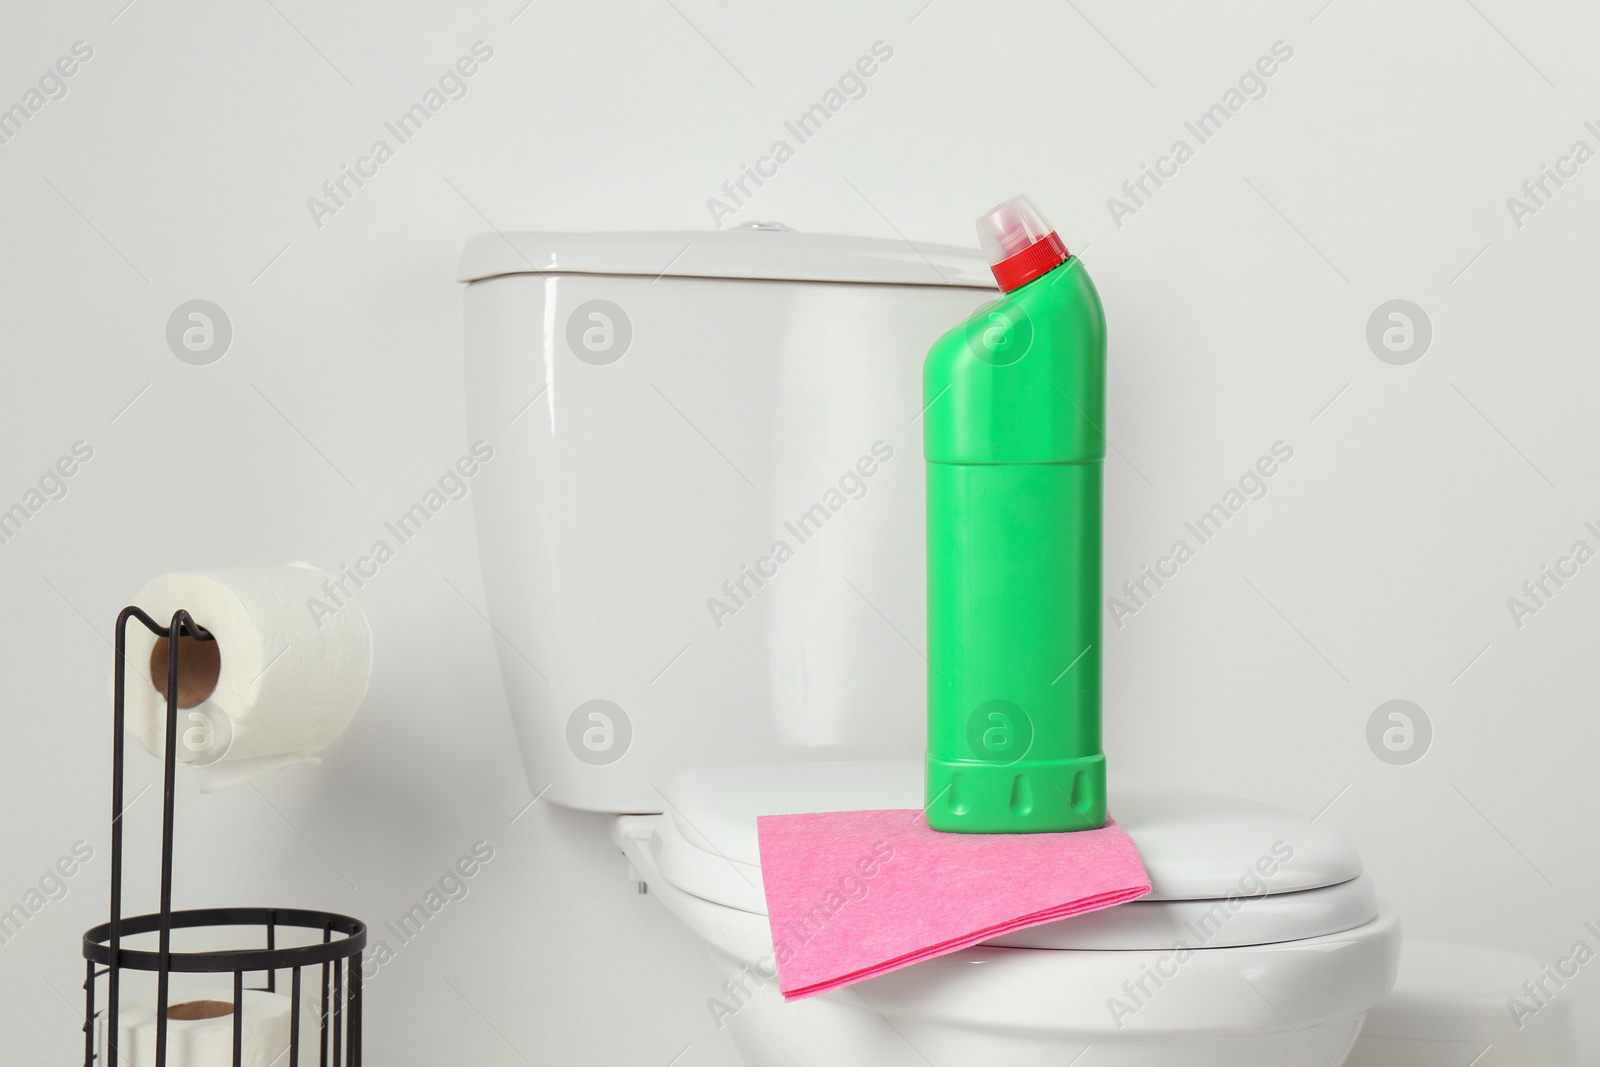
(338, 955)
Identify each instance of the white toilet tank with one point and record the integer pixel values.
(701, 524)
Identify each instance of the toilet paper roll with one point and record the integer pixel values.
(285, 675)
(200, 1032)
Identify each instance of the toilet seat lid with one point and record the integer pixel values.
(1198, 848)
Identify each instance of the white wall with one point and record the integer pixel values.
(1377, 166)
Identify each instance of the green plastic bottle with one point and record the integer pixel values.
(1014, 405)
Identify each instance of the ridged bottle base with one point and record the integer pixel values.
(1029, 797)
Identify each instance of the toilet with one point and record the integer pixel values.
(700, 528)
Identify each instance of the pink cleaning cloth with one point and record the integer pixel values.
(855, 894)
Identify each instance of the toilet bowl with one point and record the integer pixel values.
(1262, 943)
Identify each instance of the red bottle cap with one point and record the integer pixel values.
(1020, 244)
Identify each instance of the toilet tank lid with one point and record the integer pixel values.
(1196, 846)
(755, 251)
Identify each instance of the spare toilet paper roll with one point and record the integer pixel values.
(285, 675)
(200, 1032)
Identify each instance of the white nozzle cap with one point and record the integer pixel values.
(1009, 228)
